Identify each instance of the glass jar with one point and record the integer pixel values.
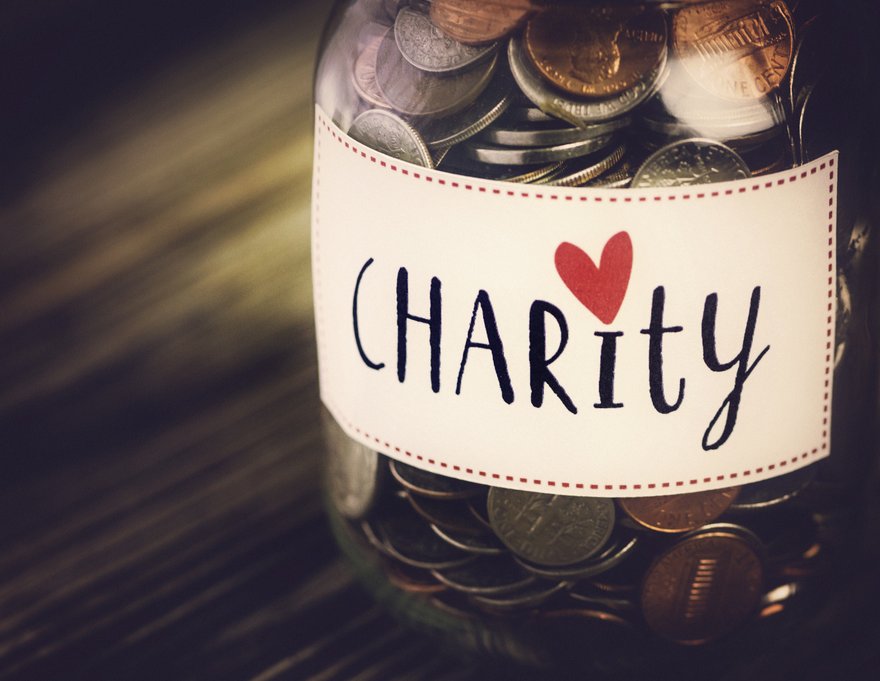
(578, 101)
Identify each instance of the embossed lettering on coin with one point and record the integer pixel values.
(424, 46)
(738, 49)
(596, 51)
(550, 529)
(679, 512)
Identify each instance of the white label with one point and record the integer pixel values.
(622, 342)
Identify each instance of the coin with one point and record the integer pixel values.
(679, 512)
(523, 174)
(363, 75)
(352, 471)
(595, 51)
(427, 484)
(383, 131)
(584, 592)
(409, 540)
(702, 587)
(578, 616)
(414, 92)
(424, 46)
(412, 580)
(735, 49)
(493, 153)
(588, 568)
(575, 176)
(528, 114)
(689, 162)
(550, 529)
(577, 112)
(443, 132)
(535, 594)
(774, 491)
(480, 544)
(487, 576)
(542, 136)
(474, 22)
(450, 515)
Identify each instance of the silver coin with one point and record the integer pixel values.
(540, 136)
(550, 529)
(774, 491)
(414, 92)
(690, 162)
(584, 592)
(408, 539)
(532, 596)
(449, 515)
(383, 131)
(482, 544)
(352, 471)
(441, 133)
(427, 48)
(588, 568)
(617, 178)
(486, 576)
(581, 173)
(733, 132)
(492, 153)
(529, 114)
(457, 162)
(363, 75)
(428, 484)
(577, 112)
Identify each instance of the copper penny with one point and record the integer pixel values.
(702, 588)
(474, 22)
(679, 512)
(596, 51)
(735, 49)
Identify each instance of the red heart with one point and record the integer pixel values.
(600, 289)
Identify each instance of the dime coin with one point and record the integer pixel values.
(596, 51)
(499, 575)
(736, 49)
(493, 153)
(383, 131)
(702, 587)
(424, 46)
(480, 544)
(414, 92)
(550, 529)
(427, 484)
(774, 491)
(474, 22)
(689, 162)
(450, 515)
(353, 471)
(443, 132)
(541, 136)
(412, 542)
(363, 76)
(577, 112)
(679, 512)
(575, 177)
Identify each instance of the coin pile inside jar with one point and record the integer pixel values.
(578, 94)
(688, 567)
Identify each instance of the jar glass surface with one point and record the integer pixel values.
(616, 95)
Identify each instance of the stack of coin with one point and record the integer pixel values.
(688, 567)
(593, 95)
(615, 95)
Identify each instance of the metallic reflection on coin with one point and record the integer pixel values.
(576, 112)
(534, 136)
(428, 484)
(576, 616)
(592, 567)
(702, 587)
(578, 174)
(414, 92)
(352, 470)
(449, 515)
(486, 576)
(679, 512)
(532, 596)
(424, 46)
(496, 154)
(690, 162)
(774, 491)
(383, 131)
(550, 529)
(735, 49)
(475, 22)
(412, 580)
(483, 544)
(596, 51)
(363, 76)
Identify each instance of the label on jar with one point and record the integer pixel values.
(621, 342)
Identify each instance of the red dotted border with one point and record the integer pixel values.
(426, 176)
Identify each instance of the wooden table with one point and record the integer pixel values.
(160, 507)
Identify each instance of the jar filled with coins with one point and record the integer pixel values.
(594, 287)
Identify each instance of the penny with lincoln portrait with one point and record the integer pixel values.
(595, 51)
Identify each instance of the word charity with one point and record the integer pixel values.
(544, 316)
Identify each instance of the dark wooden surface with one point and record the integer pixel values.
(160, 516)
